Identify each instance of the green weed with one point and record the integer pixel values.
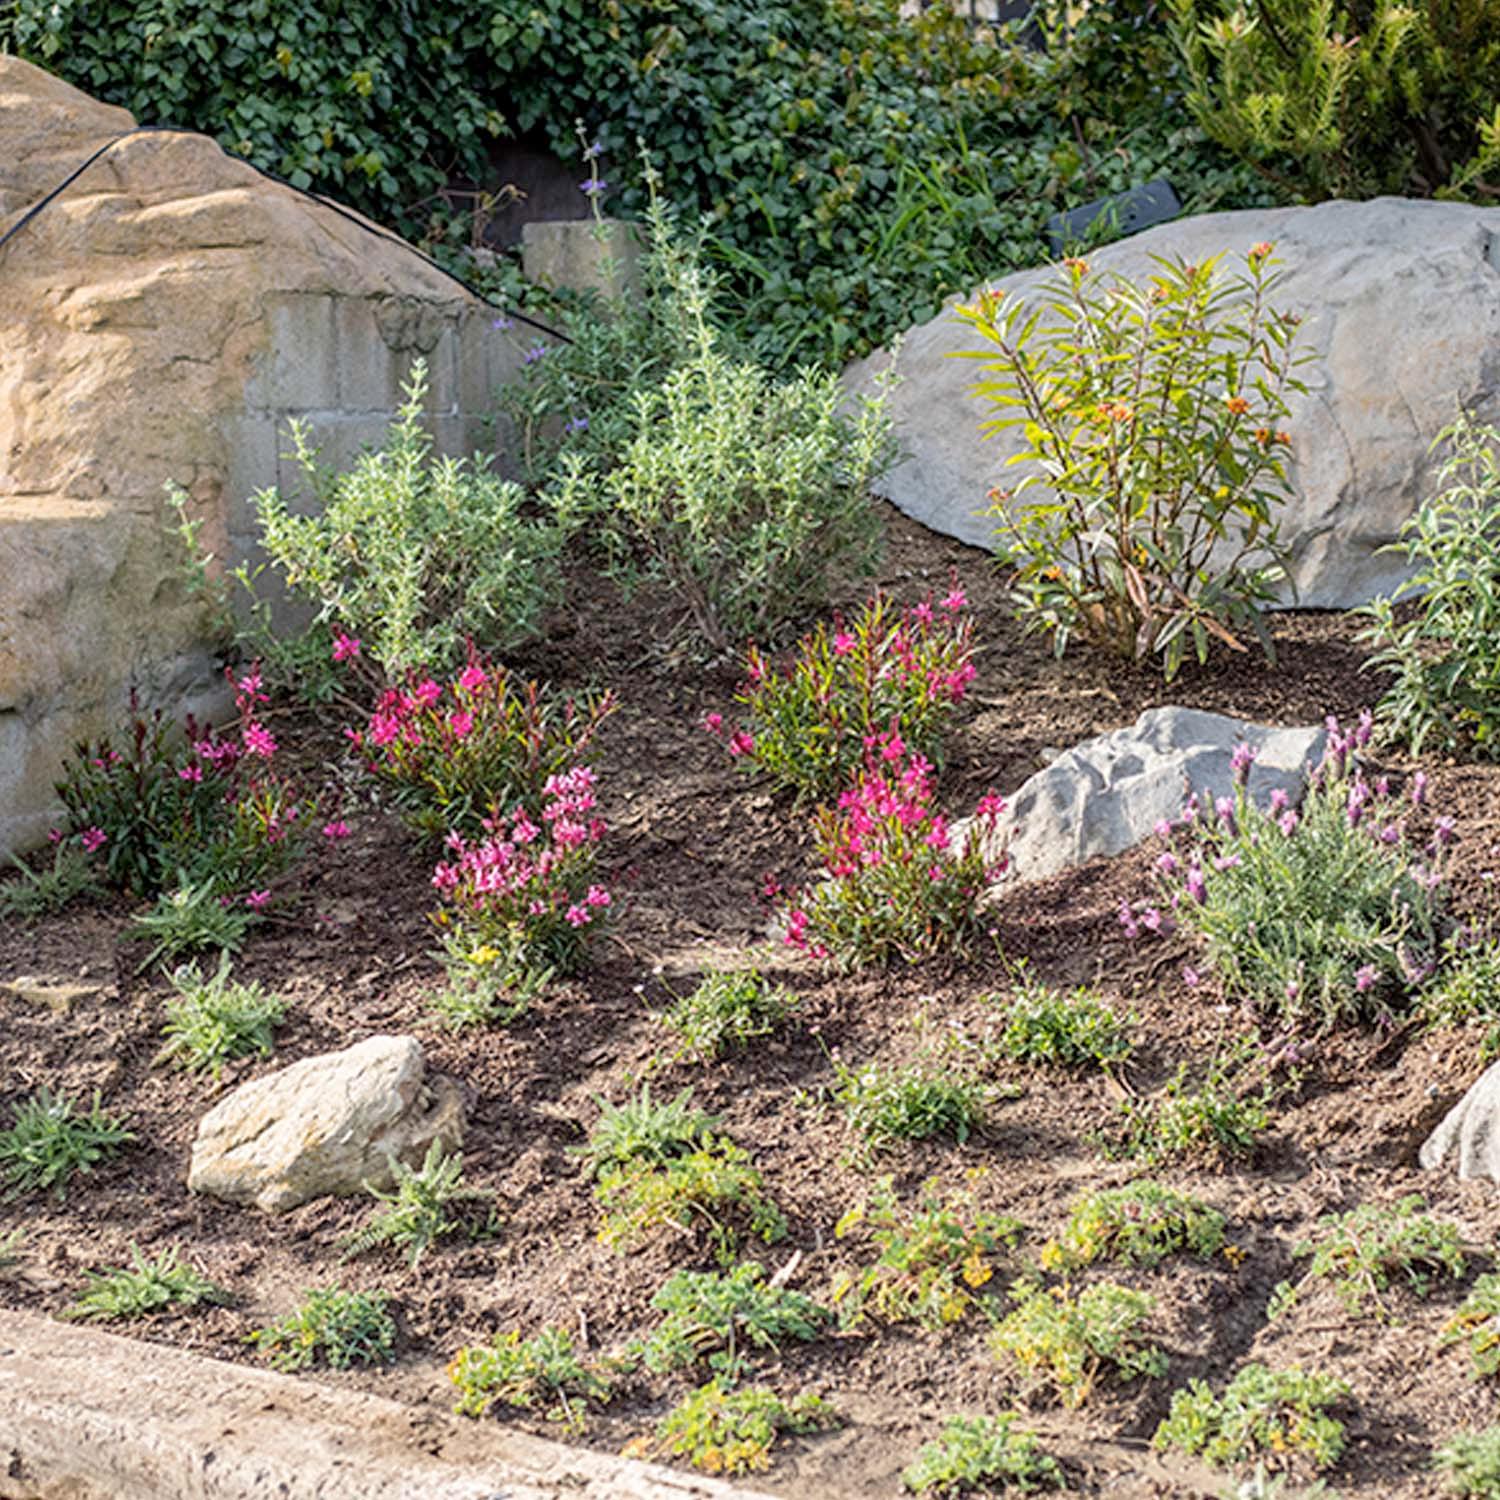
(338, 1328)
(145, 1287)
(50, 1142)
(425, 1206)
(983, 1455)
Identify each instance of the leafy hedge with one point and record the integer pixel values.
(856, 166)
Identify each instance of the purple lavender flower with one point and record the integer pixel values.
(1127, 920)
(1197, 887)
(1364, 977)
(591, 187)
(1287, 823)
(1167, 863)
(533, 354)
(1419, 789)
(1279, 800)
(1225, 809)
(1191, 977)
(1365, 728)
(1240, 761)
(1442, 831)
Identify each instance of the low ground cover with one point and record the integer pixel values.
(915, 1283)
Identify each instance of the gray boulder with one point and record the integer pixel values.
(1471, 1126)
(1109, 793)
(325, 1125)
(1401, 304)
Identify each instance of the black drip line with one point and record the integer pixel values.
(344, 213)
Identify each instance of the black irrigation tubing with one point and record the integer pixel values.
(365, 224)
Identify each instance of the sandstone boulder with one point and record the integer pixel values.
(1401, 301)
(1470, 1132)
(164, 316)
(1108, 794)
(325, 1125)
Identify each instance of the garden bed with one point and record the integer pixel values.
(690, 843)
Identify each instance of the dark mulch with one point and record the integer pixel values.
(691, 841)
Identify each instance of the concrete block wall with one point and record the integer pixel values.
(338, 365)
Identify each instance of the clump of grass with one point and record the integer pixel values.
(933, 1267)
(189, 919)
(1471, 1463)
(731, 1430)
(336, 1328)
(1069, 1343)
(714, 1190)
(39, 893)
(1361, 1253)
(983, 1455)
(543, 1373)
(1208, 1121)
(1477, 1323)
(51, 1141)
(1270, 1415)
(145, 1287)
(425, 1205)
(212, 1021)
(642, 1132)
(886, 1105)
(728, 1010)
(721, 1321)
(1063, 1030)
(1140, 1225)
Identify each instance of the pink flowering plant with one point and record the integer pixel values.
(1327, 912)
(884, 669)
(525, 891)
(156, 810)
(449, 751)
(897, 882)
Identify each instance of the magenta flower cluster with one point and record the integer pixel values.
(529, 881)
(897, 881)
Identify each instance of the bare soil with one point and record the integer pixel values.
(691, 840)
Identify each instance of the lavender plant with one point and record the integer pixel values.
(1326, 913)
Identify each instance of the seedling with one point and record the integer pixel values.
(423, 1208)
(145, 1287)
(983, 1455)
(338, 1328)
(212, 1021)
(543, 1373)
(50, 1142)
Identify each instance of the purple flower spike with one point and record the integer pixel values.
(1279, 800)
(1240, 761)
(592, 186)
(1225, 809)
(1364, 978)
(1365, 729)
(1167, 863)
(1191, 977)
(1419, 789)
(1197, 888)
(1127, 920)
(533, 354)
(1443, 831)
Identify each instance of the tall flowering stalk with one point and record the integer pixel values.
(898, 882)
(1328, 911)
(448, 752)
(883, 669)
(526, 891)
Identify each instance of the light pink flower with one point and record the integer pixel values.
(259, 740)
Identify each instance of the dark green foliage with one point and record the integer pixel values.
(50, 1141)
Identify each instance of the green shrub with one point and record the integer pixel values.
(933, 1265)
(1477, 1323)
(425, 1206)
(1324, 914)
(1444, 655)
(1210, 1120)
(714, 1189)
(1353, 100)
(724, 1321)
(544, 1372)
(144, 1288)
(725, 1430)
(338, 1328)
(978, 1455)
(1077, 1030)
(1361, 1253)
(1069, 1343)
(885, 1105)
(728, 1009)
(1270, 1415)
(212, 1021)
(51, 1141)
(883, 669)
(1151, 415)
(34, 893)
(1471, 1461)
(414, 556)
(1138, 1225)
(739, 494)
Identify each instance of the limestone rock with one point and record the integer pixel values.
(1401, 304)
(164, 318)
(1473, 1126)
(325, 1125)
(1107, 794)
